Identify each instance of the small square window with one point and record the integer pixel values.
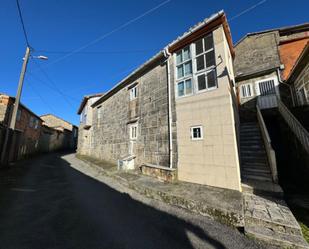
(197, 133)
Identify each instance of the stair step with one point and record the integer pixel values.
(254, 152)
(276, 238)
(252, 159)
(252, 186)
(255, 177)
(255, 164)
(252, 147)
(256, 170)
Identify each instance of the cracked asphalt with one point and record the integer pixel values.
(45, 202)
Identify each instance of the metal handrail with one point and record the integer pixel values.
(300, 132)
(271, 154)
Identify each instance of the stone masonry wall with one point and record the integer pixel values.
(110, 135)
(257, 53)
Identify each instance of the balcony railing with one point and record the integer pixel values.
(300, 132)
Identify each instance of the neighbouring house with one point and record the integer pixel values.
(68, 139)
(85, 128)
(176, 115)
(262, 63)
(298, 77)
(28, 128)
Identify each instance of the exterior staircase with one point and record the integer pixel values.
(266, 215)
(255, 171)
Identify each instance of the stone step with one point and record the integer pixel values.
(244, 142)
(257, 177)
(251, 159)
(255, 164)
(251, 138)
(271, 189)
(263, 171)
(252, 147)
(253, 153)
(276, 238)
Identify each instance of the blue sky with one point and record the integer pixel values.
(57, 27)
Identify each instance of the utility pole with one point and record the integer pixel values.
(19, 90)
(5, 149)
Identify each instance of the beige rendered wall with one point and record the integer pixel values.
(214, 160)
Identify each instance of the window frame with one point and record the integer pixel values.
(194, 75)
(204, 54)
(133, 127)
(246, 88)
(18, 116)
(201, 132)
(183, 64)
(133, 92)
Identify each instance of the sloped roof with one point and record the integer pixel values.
(85, 99)
(208, 23)
(301, 62)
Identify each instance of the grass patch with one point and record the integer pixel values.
(305, 230)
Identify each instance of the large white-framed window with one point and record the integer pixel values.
(266, 86)
(133, 131)
(195, 69)
(196, 132)
(246, 90)
(184, 85)
(133, 92)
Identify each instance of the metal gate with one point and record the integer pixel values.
(267, 94)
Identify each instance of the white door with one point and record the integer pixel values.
(267, 93)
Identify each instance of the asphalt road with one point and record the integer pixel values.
(46, 203)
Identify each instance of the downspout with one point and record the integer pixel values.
(288, 85)
(167, 54)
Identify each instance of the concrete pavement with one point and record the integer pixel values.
(47, 203)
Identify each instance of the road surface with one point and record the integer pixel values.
(46, 203)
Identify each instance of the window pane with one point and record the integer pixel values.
(186, 53)
(188, 86)
(188, 68)
(208, 41)
(200, 63)
(199, 47)
(179, 57)
(179, 71)
(201, 82)
(181, 91)
(210, 58)
(211, 81)
(197, 132)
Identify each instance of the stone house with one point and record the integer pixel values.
(85, 111)
(28, 127)
(70, 132)
(262, 63)
(176, 115)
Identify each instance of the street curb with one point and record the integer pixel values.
(224, 216)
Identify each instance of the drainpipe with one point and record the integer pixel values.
(289, 86)
(167, 54)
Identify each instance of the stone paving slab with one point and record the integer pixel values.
(270, 219)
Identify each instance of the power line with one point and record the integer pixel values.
(100, 38)
(41, 98)
(97, 52)
(22, 23)
(53, 83)
(247, 10)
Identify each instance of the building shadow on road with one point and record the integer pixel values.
(52, 205)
